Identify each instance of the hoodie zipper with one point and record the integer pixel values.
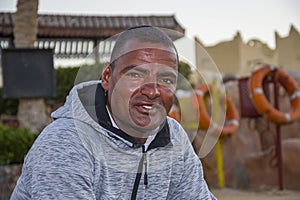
(142, 162)
(145, 173)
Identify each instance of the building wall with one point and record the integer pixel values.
(227, 54)
(253, 53)
(239, 58)
(288, 49)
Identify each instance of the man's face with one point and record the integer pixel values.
(141, 86)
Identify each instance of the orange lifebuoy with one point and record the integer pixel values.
(175, 115)
(261, 102)
(175, 112)
(232, 116)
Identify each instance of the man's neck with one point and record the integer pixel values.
(141, 140)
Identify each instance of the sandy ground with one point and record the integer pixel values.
(231, 194)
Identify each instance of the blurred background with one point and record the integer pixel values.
(47, 46)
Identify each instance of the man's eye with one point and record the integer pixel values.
(134, 75)
(167, 81)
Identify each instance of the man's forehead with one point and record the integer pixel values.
(135, 45)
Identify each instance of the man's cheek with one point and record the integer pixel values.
(168, 101)
(128, 86)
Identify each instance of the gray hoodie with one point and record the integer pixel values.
(80, 155)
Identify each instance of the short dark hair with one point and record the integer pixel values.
(143, 33)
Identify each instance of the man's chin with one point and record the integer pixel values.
(148, 124)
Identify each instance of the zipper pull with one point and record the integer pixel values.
(145, 165)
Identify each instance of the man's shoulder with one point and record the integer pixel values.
(58, 133)
(60, 138)
(178, 135)
(175, 128)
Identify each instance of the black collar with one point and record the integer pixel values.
(102, 117)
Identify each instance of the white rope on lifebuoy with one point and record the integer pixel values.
(295, 95)
(233, 121)
(258, 91)
(199, 92)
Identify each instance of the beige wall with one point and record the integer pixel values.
(227, 54)
(239, 58)
(288, 49)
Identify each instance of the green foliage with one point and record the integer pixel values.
(184, 69)
(65, 78)
(184, 74)
(8, 106)
(89, 72)
(14, 144)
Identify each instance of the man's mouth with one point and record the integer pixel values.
(145, 113)
(147, 107)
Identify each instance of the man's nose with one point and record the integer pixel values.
(150, 90)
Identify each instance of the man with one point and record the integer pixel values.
(112, 139)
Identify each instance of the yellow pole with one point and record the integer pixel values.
(219, 156)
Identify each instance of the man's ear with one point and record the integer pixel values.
(106, 74)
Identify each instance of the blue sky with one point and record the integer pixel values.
(211, 21)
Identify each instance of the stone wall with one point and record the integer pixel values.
(9, 175)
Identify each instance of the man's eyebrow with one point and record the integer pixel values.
(169, 73)
(134, 67)
(145, 71)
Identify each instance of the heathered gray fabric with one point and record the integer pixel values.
(75, 158)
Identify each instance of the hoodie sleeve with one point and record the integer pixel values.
(192, 184)
(56, 167)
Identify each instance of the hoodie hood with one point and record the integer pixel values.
(73, 108)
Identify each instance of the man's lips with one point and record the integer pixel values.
(146, 107)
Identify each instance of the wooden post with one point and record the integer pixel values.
(278, 133)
